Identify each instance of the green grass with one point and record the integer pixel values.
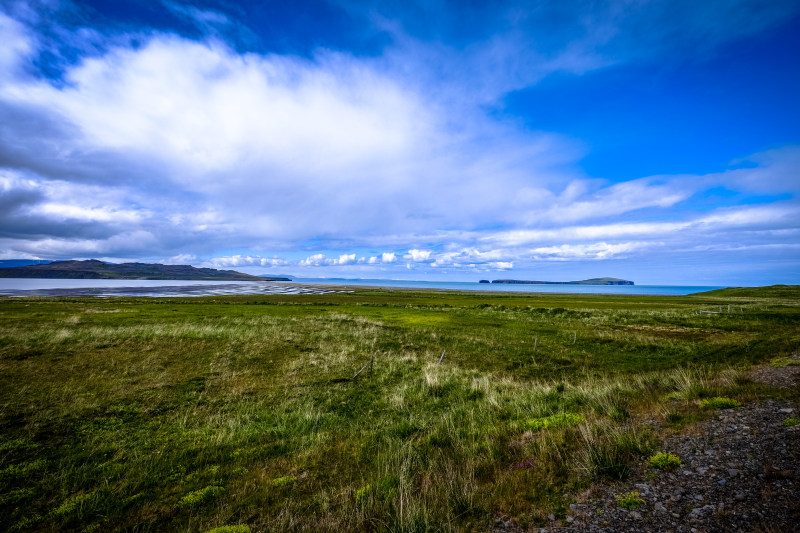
(188, 414)
(791, 422)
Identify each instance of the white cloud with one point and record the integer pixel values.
(316, 260)
(595, 251)
(97, 214)
(345, 259)
(246, 260)
(419, 256)
(388, 257)
(180, 259)
(17, 44)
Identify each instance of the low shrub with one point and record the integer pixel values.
(665, 461)
(719, 402)
(560, 420)
(200, 497)
(785, 361)
(791, 422)
(629, 500)
(230, 529)
(284, 481)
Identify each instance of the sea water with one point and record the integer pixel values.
(669, 290)
(141, 287)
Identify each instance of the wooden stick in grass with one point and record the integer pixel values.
(362, 369)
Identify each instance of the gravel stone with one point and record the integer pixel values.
(745, 480)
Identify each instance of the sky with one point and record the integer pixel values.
(656, 141)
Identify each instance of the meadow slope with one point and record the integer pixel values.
(186, 414)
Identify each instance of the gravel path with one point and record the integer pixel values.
(740, 472)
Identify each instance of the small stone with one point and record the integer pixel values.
(732, 472)
(551, 517)
(676, 515)
(739, 496)
(635, 515)
(572, 506)
(786, 410)
(570, 519)
(721, 482)
(659, 507)
(699, 497)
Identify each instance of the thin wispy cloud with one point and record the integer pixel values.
(392, 148)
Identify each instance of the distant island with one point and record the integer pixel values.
(593, 281)
(94, 269)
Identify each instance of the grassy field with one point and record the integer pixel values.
(191, 414)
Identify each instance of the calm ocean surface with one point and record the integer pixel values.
(155, 288)
(675, 290)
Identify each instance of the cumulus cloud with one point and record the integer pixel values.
(316, 260)
(345, 259)
(243, 260)
(418, 256)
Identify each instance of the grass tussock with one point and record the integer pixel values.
(195, 414)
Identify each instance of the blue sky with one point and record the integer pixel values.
(656, 141)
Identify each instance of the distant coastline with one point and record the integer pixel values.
(592, 281)
(94, 269)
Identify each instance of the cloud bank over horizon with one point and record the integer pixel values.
(404, 140)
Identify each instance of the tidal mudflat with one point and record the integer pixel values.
(151, 288)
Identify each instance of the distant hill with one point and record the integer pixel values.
(9, 263)
(93, 269)
(771, 291)
(288, 277)
(593, 281)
